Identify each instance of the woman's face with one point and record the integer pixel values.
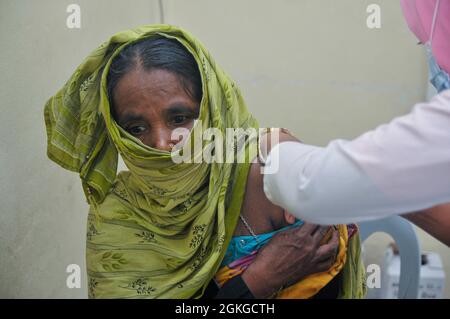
(151, 104)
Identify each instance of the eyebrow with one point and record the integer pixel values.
(178, 108)
(129, 117)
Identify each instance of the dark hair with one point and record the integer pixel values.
(157, 53)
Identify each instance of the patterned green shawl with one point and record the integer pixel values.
(161, 227)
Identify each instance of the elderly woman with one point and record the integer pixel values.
(181, 230)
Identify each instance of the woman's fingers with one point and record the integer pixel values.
(317, 232)
(303, 231)
(330, 249)
(307, 229)
(325, 264)
(320, 233)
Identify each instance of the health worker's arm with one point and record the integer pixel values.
(403, 166)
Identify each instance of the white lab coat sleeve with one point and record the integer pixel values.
(400, 167)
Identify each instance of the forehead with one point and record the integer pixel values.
(155, 86)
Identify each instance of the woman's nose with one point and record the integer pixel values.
(162, 140)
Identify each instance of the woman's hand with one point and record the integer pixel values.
(290, 256)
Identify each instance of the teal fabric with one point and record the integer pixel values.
(241, 246)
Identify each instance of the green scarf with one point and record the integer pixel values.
(163, 226)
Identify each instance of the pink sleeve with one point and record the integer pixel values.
(419, 17)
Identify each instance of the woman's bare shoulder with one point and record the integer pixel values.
(262, 215)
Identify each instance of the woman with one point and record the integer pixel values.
(161, 229)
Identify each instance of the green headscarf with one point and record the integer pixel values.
(163, 227)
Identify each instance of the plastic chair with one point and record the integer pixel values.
(407, 242)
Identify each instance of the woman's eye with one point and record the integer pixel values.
(136, 130)
(179, 119)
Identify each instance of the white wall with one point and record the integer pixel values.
(309, 65)
(42, 211)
